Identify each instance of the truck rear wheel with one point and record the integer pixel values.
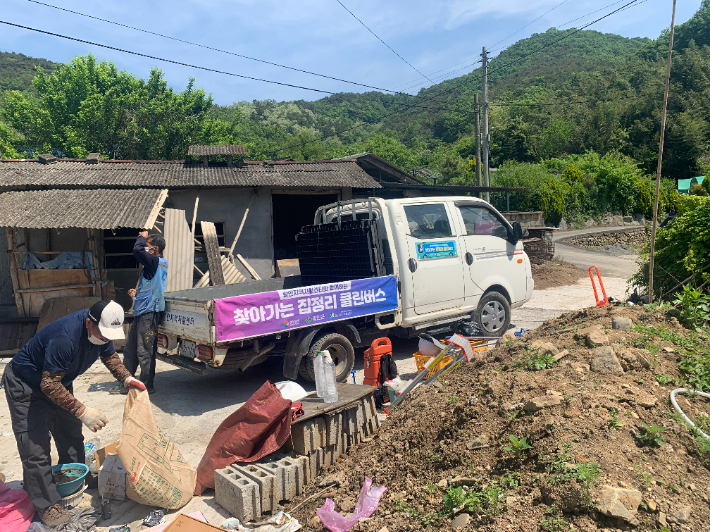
(493, 314)
(341, 351)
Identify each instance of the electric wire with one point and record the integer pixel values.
(383, 42)
(210, 47)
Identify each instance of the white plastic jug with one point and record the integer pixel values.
(330, 391)
(318, 370)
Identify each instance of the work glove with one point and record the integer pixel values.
(94, 419)
(132, 382)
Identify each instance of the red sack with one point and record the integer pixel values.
(16, 509)
(258, 428)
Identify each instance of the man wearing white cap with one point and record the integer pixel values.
(38, 387)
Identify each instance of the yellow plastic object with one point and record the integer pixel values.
(420, 360)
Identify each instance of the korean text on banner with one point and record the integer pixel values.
(284, 310)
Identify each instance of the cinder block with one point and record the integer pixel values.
(350, 421)
(309, 435)
(290, 476)
(237, 494)
(334, 428)
(315, 462)
(266, 482)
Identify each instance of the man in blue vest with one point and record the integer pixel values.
(148, 307)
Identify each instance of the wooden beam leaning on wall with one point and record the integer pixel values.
(12, 256)
(209, 233)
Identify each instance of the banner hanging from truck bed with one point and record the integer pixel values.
(284, 310)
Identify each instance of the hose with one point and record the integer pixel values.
(686, 418)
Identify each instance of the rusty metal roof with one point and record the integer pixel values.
(219, 149)
(178, 174)
(94, 209)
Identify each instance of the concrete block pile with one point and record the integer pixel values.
(247, 491)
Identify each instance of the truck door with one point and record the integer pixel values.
(434, 258)
(489, 253)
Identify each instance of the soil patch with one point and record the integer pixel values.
(554, 273)
(520, 441)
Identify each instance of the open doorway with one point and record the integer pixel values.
(291, 212)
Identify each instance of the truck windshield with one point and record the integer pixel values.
(428, 221)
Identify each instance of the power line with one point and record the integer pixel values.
(383, 42)
(210, 47)
(526, 25)
(163, 59)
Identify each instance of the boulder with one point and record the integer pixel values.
(594, 336)
(545, 348)
(631, 360)
(604, 361)
(461, 521)
(621, 323)
(538, 403)
(620, 503)
(590, 223)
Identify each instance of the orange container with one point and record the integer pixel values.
(420, 360)
(379, 347)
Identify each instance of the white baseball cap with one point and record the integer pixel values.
(108, 317)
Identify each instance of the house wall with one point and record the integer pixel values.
(228, 205)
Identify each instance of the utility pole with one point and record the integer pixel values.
(486, 178)
(477, 114)
(651, 260)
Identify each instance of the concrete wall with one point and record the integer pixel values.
(228, 205)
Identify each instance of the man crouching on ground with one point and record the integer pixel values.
(148, 307)
(38, 386)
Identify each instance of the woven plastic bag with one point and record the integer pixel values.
(157, 474)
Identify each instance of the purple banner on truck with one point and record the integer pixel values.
(284, 310)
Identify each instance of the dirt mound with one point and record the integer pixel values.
(554, 273)
(519, 441)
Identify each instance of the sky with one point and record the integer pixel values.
(435, 38)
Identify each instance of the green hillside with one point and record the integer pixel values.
(17, 70)
(555, 94)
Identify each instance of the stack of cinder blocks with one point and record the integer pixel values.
(248, 490)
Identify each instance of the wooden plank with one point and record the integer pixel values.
(49, 278)
(54, 288)
(204, 281)
(251, 270)
(58, 307)
(209, 233)
(241, 226)
(179, 251)
(93, 236)
(12, 247)
(348, 394)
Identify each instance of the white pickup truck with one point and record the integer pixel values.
(369, 268)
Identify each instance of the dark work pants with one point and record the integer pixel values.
(141, 346)
(34, 419)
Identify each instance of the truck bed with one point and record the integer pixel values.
(201, 295)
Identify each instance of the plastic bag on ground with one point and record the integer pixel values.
(80, 520)
(367, 503)
(16, 509)
(259, 427)
(157, 474)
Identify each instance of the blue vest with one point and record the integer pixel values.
(150, 293)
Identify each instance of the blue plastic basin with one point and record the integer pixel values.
(76, 472)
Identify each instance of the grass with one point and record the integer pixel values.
(614, 423)
(650, 435)
(518, 446)
(586, 475)
(486, 500)
(536, 362)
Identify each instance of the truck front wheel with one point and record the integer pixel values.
(341, 351)
(493, 314)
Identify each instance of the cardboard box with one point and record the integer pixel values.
(101, 454)
(185, 523)
(112, 478)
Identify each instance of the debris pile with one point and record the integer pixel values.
(567, 426)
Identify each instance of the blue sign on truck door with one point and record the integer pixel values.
(436, 250)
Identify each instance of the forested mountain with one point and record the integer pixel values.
(552, 95)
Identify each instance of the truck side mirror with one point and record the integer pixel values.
(517, 232)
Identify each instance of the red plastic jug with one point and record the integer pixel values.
(379, 347)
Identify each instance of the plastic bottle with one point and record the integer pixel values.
(318, 370)
(330, 391)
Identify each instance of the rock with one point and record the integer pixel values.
(561, 354)
(652, 506)
(640, 218)
(621, 323)
(545, 348)
(594, 336)
(538, 403)
(662, 519)
(604, 361)
(563, 225)
(443, 483)
(463, 481)
(683, 515)
(628, 219)
(646, 401)
(478, 443)
(461, 521)
(619, 503)
(668, 350)
(384, 529)
(568, 497)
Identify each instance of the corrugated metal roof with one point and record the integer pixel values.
(220, 149)
(176, 174)
(94, 209)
